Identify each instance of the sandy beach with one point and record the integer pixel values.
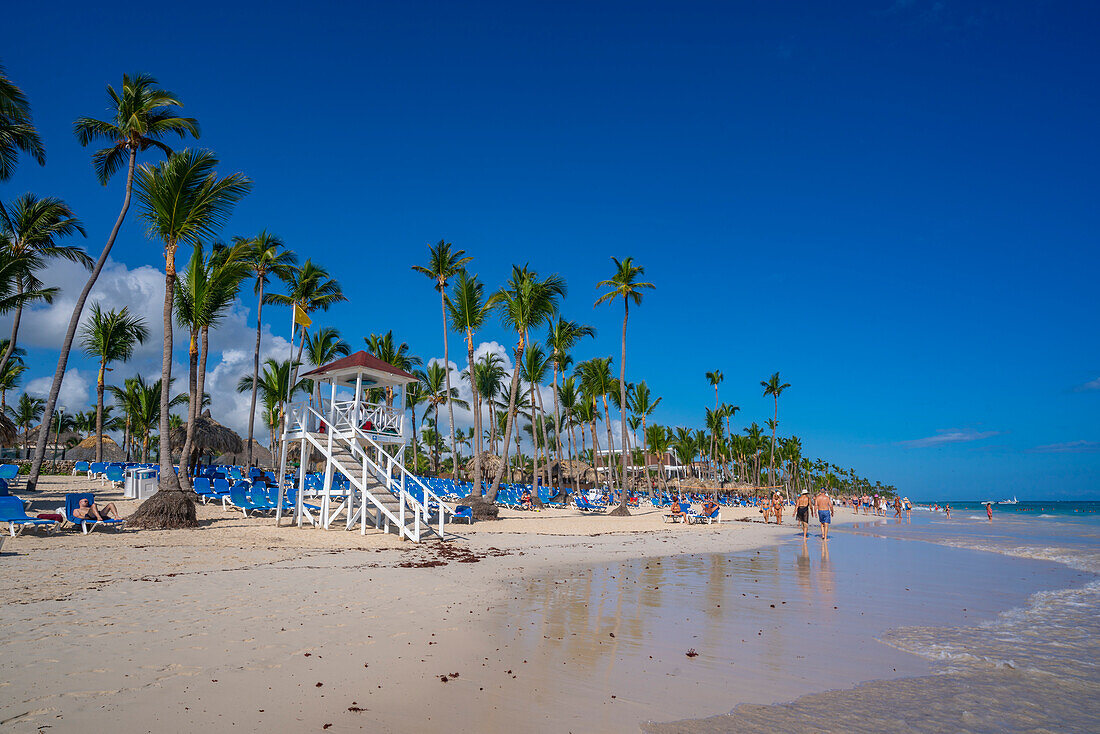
(173, 630)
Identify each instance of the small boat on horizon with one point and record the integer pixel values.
(1012, 501)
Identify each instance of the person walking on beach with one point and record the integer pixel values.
(777, 505)
(802, 512)
(947, 510)
(824, 507)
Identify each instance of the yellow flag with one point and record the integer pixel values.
(301, 317)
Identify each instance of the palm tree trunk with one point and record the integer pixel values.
(168, 479)
(74, 321)
(622, 402)
(194, 407)
(99, 388)
(545, 440)
(611, 468)
(435, 444)
(557, 421)
(476, 491)
(14, 327)
(508, 424)
(416, 448)
(447, 364)
(255, 371)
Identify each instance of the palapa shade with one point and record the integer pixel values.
(490, 464)
(210, 437)
(85, 450)
(261, 457)
(9, 433)
(570, 471)
(67, 437)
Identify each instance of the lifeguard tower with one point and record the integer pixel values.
(354, 421)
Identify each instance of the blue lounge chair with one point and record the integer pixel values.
(239, 497)
(113, 474)
(81, 467)
(464, 512)
(11, 512)
(72, 501)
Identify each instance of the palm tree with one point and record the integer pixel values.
(488, 376)
(267, 257)
(17, 132)
(525, 302)
(657, 439)
(644, 404)
(535, 365)
(772, 386)
(126, 399)
(184, 201)
(111, 336)
(29, 229)
(141, 115)
(444, 263)
(624, 284)
(149, 400)
(468, 310)
(387, 349)
(714, 378)
(596, 382)
(563, 337)
(12, 374)
(414, 398)
(207, 288)
(274, 387)
(436, 393)
(310, 288)
(26, 412)
(325, 346)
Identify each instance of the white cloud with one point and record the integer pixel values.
(1090, 385)
(140, 289)
(1068, 447)
(75, 392)
(948, 435)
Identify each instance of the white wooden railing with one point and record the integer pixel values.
(376, 418)
(344, 432)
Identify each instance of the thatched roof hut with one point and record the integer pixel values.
(210, 437)
(85, 450)
(261, 456)
(68, 438)
(9, 433)
(490, 464)
(570, 471)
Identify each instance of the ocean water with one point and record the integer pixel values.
(1031, 667)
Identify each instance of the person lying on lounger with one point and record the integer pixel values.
(709, 507)
(89, 510)
(677, 512)
(525, 500)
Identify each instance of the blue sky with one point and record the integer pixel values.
(892, 203)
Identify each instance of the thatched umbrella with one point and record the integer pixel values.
(261, 457)
(85, 450)
(210, 437)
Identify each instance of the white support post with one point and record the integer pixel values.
(358, 399)
(326, 501)
(304, 458)
(283, 445)
(303, 467)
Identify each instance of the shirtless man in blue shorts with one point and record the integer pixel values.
(824, 506)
